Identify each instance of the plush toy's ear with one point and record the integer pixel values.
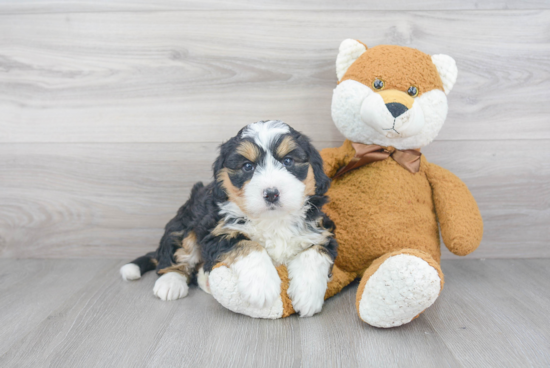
(446, 67)
(349, 51)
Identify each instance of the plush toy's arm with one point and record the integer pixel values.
(457, 211)
(336, 158)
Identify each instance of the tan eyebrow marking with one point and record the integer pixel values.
(287, 145)
(249, 150)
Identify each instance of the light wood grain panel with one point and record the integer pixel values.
(48, 6)
(510, 181)
(113, 200)
(487, 315)
(193, 76)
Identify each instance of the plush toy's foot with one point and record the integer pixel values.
(223, 285)
(221, 282)
(397, 287)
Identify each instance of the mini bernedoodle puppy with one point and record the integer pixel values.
(262, 210)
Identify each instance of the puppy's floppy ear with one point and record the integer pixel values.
(219, 193)
(322, 181)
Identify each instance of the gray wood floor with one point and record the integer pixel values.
(79, 313)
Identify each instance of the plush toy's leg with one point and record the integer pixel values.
(397, 287)
(222, 285)
(339, 280)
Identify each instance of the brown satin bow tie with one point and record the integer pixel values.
(368, 153)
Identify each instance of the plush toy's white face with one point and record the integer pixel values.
(391, 103)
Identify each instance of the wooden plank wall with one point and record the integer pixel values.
(111, 110)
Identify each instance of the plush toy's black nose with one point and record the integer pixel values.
(396, 109)
(271, 195)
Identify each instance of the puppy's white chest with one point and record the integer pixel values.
(281, 247)
(283, 237)
(283, 242)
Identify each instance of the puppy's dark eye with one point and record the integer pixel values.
(288, 161)
(412, 91)
(378, 84)
(248, 167)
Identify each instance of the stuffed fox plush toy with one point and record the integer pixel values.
(388, 202)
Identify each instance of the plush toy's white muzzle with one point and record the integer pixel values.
(375, 112)
(361, 115)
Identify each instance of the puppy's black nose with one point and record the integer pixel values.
(271, 195)
(396, 109)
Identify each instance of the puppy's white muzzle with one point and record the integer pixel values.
(269, 180)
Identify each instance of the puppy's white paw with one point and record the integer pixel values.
(308, 274)
(258, 281)
(171, 286)
(307, 299)
(130, 272)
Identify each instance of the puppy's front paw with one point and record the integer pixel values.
(258, 281)
(307, 297)
(308, 274)
(171, 286)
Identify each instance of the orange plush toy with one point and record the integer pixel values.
(388, 202)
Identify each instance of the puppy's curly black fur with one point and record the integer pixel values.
(213, 223)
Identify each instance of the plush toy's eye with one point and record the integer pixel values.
(412, 91)
(288, 161)
(378, 84)
(248, 167)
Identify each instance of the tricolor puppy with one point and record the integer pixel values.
(262, 210)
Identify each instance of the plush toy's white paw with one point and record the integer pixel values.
(171, 286)
(223, 284)
(130, 272)
(401, 288)
(308, 274)
(258, 281)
